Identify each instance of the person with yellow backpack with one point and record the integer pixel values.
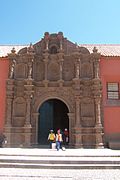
(51, 138)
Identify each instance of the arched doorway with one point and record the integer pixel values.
(53, 114)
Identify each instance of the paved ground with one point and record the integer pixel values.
(34, 174)
(54, 152)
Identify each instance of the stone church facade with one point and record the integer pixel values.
(58, 71)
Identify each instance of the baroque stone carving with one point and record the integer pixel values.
(53, 71)
(54, 68)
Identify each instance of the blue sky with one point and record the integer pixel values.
(81, 21)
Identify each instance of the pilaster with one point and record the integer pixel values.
(28, 92)
(35, 119)
(78, 127)
(46, 55)
(98, 111)
(8, 121)
(28, 114)
(61, 60)
(71, 125)
(9, 106)
(77, 114)
(98, 126)
(76, 80)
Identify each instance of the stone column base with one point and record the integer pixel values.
(27, 136)
(78, 138)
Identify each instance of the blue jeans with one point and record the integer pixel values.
(58, 145)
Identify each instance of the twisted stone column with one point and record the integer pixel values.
(60, 57)
(78, 69)
(77, 108)
(96, 68)
(46, 64)
(30, 69)
(46, 68)
(98, 112)
(61, 69)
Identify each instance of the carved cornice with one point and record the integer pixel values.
(87, 100)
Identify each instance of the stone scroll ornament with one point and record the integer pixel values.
(12, 69)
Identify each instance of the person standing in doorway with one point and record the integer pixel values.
(66, 136)
(51, 138)
(59, 140)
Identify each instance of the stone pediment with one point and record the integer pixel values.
(53, 44)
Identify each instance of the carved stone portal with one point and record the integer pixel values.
(54, 83)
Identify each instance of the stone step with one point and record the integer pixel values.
(62, 160)
(60, 166)
(59, 162)
(69, 159)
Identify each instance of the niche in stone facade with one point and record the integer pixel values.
(19, 107)
(86, 70)
(19, 111)
(87, 115)
(53, 71)
(21, 71)
(87, 109)
(39, 71)
(68, 70)
(53, 50)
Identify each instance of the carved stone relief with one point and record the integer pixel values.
(86, 70)
(21, 71)
(68, 69)
(39, 71)
(53, 71)
(19, 107)
(19, 112)
(55, 68)
(87, 114)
